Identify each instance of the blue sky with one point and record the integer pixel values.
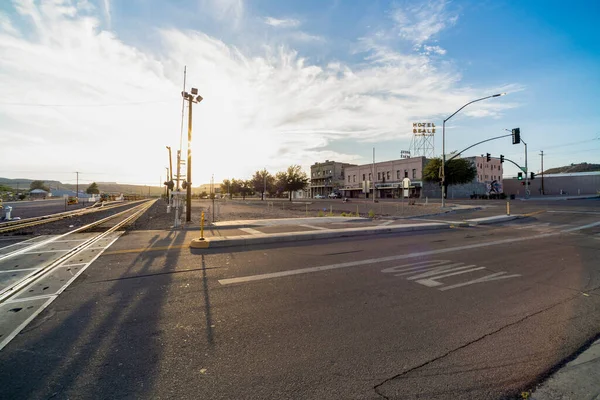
(83, 82)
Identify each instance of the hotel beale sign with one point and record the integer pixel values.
(424, 128)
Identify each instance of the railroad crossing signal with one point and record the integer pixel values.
(488, 157)
(184, 185)
(169, 184)
(516, 135)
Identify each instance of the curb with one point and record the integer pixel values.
(246, 240)
(492, 220)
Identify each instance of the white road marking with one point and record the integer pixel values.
(20, 269)
(573, 212)
(251, 231)
(387, 222)
(300, 271)
(433, 281)
(487, 278)
(578, 228)
(314, 227)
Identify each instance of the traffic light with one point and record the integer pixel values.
(516, 135)
(501, 158)
(169, 184)
(523, 183)
(532, 176)
(184, 185)
(520, 176)
(488, 157)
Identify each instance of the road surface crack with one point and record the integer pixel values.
(449, 352)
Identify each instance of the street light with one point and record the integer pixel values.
(444, 143)
(192, 97)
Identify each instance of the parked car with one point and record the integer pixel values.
(335, 195)
(318, 196)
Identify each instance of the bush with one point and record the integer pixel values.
(371, 214)
(344, 214)
(320, 214)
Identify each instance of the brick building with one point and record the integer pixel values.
(327, 177)
(386, 177)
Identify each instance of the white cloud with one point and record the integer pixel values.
(282, 23)
(433, 49)
(269, 109)
(419, 23)
(225, 10)
(6, 25)
(300, 36)
(106, 4)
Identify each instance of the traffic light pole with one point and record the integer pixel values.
(473, 145)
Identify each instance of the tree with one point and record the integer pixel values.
(258, 182)
(38, 185)
(93, 189)
(458, 171)
(245, 188)
(291, 180)
(203, 194)
(236, 187)
(225, 187)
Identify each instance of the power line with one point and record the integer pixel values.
(83, 105)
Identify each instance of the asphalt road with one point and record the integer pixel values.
(38, 208)
(339, 319)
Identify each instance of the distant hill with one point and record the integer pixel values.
(583, 167)
(105, 187)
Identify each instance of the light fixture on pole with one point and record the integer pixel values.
(444, 143)
(192, 97)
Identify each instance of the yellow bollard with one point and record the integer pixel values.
(508, 208)
(202, 226)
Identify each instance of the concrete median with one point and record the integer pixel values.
(247, 240)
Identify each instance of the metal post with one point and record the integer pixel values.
(188, 211)
(202, 226)
(542, 154)
(265, 183)
(527, 192)
(444, 164)
(77, 190)
(507, 208)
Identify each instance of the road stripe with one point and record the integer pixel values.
(578, 228)
(432, 282)
(314, 227)
(251, 231)
(574, 212)
(18, 270)
(17, 244)
(534, 213)
(493, 277)
(387, 222)
(14, 333)
(300, 271)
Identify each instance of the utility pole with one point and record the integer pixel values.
(192, 97)
(77, 187)
(373, 174)
(264, 183)
(542, 155)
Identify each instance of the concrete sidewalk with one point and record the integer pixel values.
(578, 379)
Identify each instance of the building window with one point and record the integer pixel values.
(398, 174)
(348, 178)
(379, 176)
(388, 175)
(369, 176)
(414, 173)
(353, 178)
(363, 177)
(406, 173)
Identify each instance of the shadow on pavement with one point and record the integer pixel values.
(107, 347)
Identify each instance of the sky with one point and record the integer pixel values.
(95, 86)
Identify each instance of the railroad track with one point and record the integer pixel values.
(34, 273)
(35, 221)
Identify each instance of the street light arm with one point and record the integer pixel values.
(474, 101)
(473, 145)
